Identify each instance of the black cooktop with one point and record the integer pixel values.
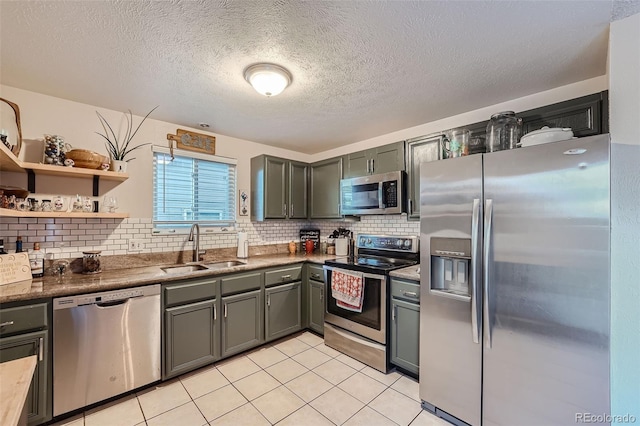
(375, 264)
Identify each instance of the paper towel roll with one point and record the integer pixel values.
(243, 245)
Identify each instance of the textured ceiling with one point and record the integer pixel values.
(360, 69)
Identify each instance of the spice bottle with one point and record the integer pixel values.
(19, 244)
(36, 260)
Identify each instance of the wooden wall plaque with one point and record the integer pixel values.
(192, 141)
(14, 267)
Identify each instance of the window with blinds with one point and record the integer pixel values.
(192, 188)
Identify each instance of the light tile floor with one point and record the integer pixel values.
(294, 381)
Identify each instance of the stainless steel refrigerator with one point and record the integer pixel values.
(514, 311)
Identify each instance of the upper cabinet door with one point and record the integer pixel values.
(275, 183)
(387, 158)
(325, 189)
(383, 159)
(298, 190)
(419, 150)
(357, 164)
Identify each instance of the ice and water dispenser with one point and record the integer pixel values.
(450, 263)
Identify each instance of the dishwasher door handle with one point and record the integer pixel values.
(111, 304)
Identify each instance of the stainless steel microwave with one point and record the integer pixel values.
(374, 194)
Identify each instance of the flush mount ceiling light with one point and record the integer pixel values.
(268, 79)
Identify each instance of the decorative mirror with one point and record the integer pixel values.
(10, 131)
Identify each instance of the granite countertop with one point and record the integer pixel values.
(75, 283)
(409, 273)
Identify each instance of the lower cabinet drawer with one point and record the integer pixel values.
(284, 275)
(241, 283)
(189, 291)
(23, 318)
(405, 290)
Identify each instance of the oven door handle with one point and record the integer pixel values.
(364, 274)
(381, 201)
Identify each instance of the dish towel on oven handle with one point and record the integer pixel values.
(347, 287)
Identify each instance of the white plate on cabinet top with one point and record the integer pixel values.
(546, 135)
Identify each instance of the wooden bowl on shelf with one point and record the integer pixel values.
(86, 159)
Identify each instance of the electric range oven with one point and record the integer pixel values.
(364, 335)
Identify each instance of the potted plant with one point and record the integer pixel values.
(119, 147)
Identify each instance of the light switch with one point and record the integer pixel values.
(448, 270)
(462, 272)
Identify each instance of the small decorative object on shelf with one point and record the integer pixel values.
(76, 206)
(87, 205)
(55, 149)
(119, 147)
(91, 262)
(46, 206)
(60, 204)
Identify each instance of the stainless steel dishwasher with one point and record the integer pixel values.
(104, 344)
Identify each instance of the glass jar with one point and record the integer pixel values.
(503, 131)
(46, 206)
(55, 150)
(91, 262)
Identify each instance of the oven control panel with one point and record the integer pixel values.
(407, 244)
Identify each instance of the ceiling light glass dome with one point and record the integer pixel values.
(268, 79)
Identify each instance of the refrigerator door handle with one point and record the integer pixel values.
(476, 311)
(488, 221)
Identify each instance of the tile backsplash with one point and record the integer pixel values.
(69, 237)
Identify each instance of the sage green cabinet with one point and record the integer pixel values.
(316, 306)
(325, 189)
(382, 159)
(38, 400)
(192, 337)
(298, 190)
(279, 188)
(405, 325)
(242, 322)
(419, 150)
(191, 325)
(282, 310)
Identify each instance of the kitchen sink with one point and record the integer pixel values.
(180, 269)
(225, 264)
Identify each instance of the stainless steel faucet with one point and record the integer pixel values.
(196, 241)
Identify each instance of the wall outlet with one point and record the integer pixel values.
(135, 245)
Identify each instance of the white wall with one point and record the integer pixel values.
(624, 98)
(41, 114)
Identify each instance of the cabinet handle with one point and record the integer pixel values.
(315, 276)
(225, 310)
(321, 294)
(410, 206)
(372, 165)
(40, 349)
(368, 166)
(410, 294)
(284, 209)
(393, 313)
(268, 300)
(286, 277)
(4, 324)
(291, 211)
(215, 317)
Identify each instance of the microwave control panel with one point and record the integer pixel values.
(390, 193)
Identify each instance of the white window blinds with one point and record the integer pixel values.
(193, 188)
